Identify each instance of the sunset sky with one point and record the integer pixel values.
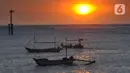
(60, 12)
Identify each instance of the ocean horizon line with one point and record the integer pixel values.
(66, 24)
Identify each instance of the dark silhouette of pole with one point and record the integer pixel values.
(66, 47)
(10, 26)
(66, 51)
(12, 29)
(11, 11)
(9, 29)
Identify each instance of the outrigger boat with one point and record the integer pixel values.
(65, 61)
(36, 50)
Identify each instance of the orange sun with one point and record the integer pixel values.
(83, 9)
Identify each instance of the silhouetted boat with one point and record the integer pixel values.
(34, 49)
(65, 61)
(31, 50)
(46, 62)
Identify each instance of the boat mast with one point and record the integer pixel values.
(66, 51)
(34, 40)
(90, 50)
(54, 42)
(66, 47)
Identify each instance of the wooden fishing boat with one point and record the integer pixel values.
(36, 50)
(65, 61)
(46, 62)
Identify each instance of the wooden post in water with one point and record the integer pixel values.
(10, 26)
(9, 29)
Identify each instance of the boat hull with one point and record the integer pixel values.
(45, 62)
(43, 50)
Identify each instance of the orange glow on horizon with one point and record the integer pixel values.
(79, 12)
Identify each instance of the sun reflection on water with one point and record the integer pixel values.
(77, 71)
(82, 56)
(80, 71)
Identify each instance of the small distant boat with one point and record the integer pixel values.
(73, 46)
(31, 50)
(46, 62)
(79, 45)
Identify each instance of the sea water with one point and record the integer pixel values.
(110, 48)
